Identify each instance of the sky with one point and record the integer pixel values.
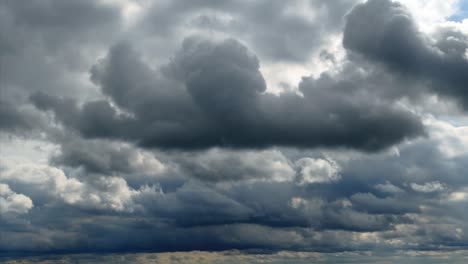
(462, 12)
(302, 129)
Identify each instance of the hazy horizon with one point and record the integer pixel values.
(238, 257)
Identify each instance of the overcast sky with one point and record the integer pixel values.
(177, 125)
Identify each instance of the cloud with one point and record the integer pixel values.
(44, 47)
(13, 203)
(385, 32)
(317, 171)
(47, 185)
(370, 203)
(231, 165)
(97, 156)
(41, 49)
(18, 120)
(428, 187)
(387, 187)
(300, 21)
(212, 89)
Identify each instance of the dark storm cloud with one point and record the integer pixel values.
(385, 32)
(212, 94)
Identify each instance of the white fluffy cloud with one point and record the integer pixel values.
(43, 179)
(428, 187)
(50, 184)
(452, 140)
(388, 187)
(429, 13)
(317, 171)
(11, 202)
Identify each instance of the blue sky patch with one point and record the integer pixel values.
(462, 14)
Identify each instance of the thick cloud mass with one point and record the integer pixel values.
(265, 126)
(212, 94)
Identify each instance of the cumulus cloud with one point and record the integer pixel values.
(428, 187)
(106, 157)
(46, 185)
(384, 31)
(317, 171)
(11, 202)
(388, 188)
(210, 90)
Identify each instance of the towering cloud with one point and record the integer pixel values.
(385, 32)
